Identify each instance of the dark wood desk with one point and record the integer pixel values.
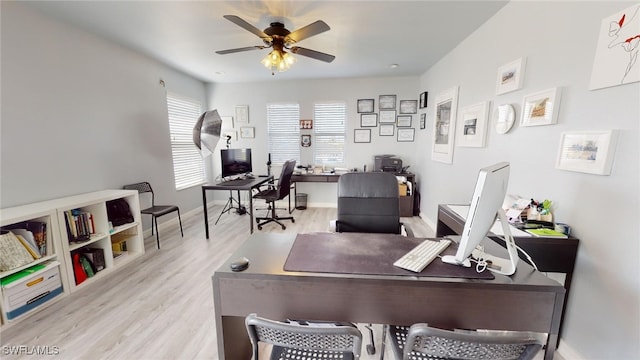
(246, 187)
(549, 254)
(405, 202)
(526, 301)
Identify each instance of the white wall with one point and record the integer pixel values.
(81, 114)
(225, 97)
(558, 39)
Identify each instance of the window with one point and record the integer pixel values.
(284, 132)
(188, 166)
(329, 127)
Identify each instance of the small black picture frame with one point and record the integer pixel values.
(366, 105)
(423, 99)
(423, 121)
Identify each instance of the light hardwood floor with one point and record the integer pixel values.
(160, 307)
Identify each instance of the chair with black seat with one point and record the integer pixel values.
(304, 340)
(369, 203)
(154, 210)
(274, 192)
(420, 341)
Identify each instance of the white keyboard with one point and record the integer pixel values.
(422, 255)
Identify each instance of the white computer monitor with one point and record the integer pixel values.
(486, 204)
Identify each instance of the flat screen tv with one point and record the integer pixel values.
(235, 162)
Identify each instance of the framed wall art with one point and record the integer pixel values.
(387, 129)
(242, 114)
(408, 106)
(445, 125)
(387, 102)
(406, 135)
(306, 124)
(472, 125)
(423, 121)
(365, 105)
(404, 121)
(423, 100)
(387, 116)
(510, 76)
(362, 135)
(247, 132)
(305, 140)
(368, 120)
(541, 108)
(589, 152)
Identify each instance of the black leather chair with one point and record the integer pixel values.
(275, 192)
(369, 203)
(154, 210)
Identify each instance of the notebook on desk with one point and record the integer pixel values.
(366, 254)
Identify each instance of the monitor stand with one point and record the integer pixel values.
(501, 265)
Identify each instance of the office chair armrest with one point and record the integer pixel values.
(407, 230)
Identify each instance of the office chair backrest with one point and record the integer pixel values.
(284, 181)
(368, 202)
(346, 339)
(142, 187)
(425, 342)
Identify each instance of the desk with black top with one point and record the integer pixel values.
(405, 202)
(550, 254)
(255, 183)
(526, 301)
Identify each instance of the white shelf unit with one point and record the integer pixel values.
(41, 212)
(58, 247)
(95, 203)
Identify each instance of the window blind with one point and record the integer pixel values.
(284, 132)
(188, 166)
(329, 128)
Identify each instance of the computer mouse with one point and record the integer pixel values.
(240, 264)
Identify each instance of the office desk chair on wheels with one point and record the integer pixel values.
(305, 342)
(154, 210)
(273, 193)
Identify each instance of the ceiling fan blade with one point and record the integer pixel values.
(231, 51)
(312, 54)
(245, 25)
(308, 31)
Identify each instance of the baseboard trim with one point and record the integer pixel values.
(567, 352)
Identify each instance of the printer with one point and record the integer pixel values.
(387, 163)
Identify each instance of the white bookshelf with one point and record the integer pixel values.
(59, 249)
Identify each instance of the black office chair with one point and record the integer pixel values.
(369, 203)
(154, 210)
(275, 192)
(421, 341)
(304, 340)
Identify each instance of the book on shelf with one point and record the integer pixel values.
(38, 230)
(80, 225)
(545, 232)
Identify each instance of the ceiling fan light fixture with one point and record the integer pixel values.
(278, 60)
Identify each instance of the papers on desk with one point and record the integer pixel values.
(463, 211)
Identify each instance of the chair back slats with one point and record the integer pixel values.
(424, 342)
(333, 341)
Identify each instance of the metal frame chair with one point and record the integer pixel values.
(154, 210)
(294, 340)
(420, 341)
(276, 192)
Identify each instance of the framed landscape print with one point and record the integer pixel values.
(445, 125)
(408, 106)
(541, 108)
(587, 151)
(510, 76)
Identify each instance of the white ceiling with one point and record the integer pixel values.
(366, 36)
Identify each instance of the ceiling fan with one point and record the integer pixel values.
(280, 39)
